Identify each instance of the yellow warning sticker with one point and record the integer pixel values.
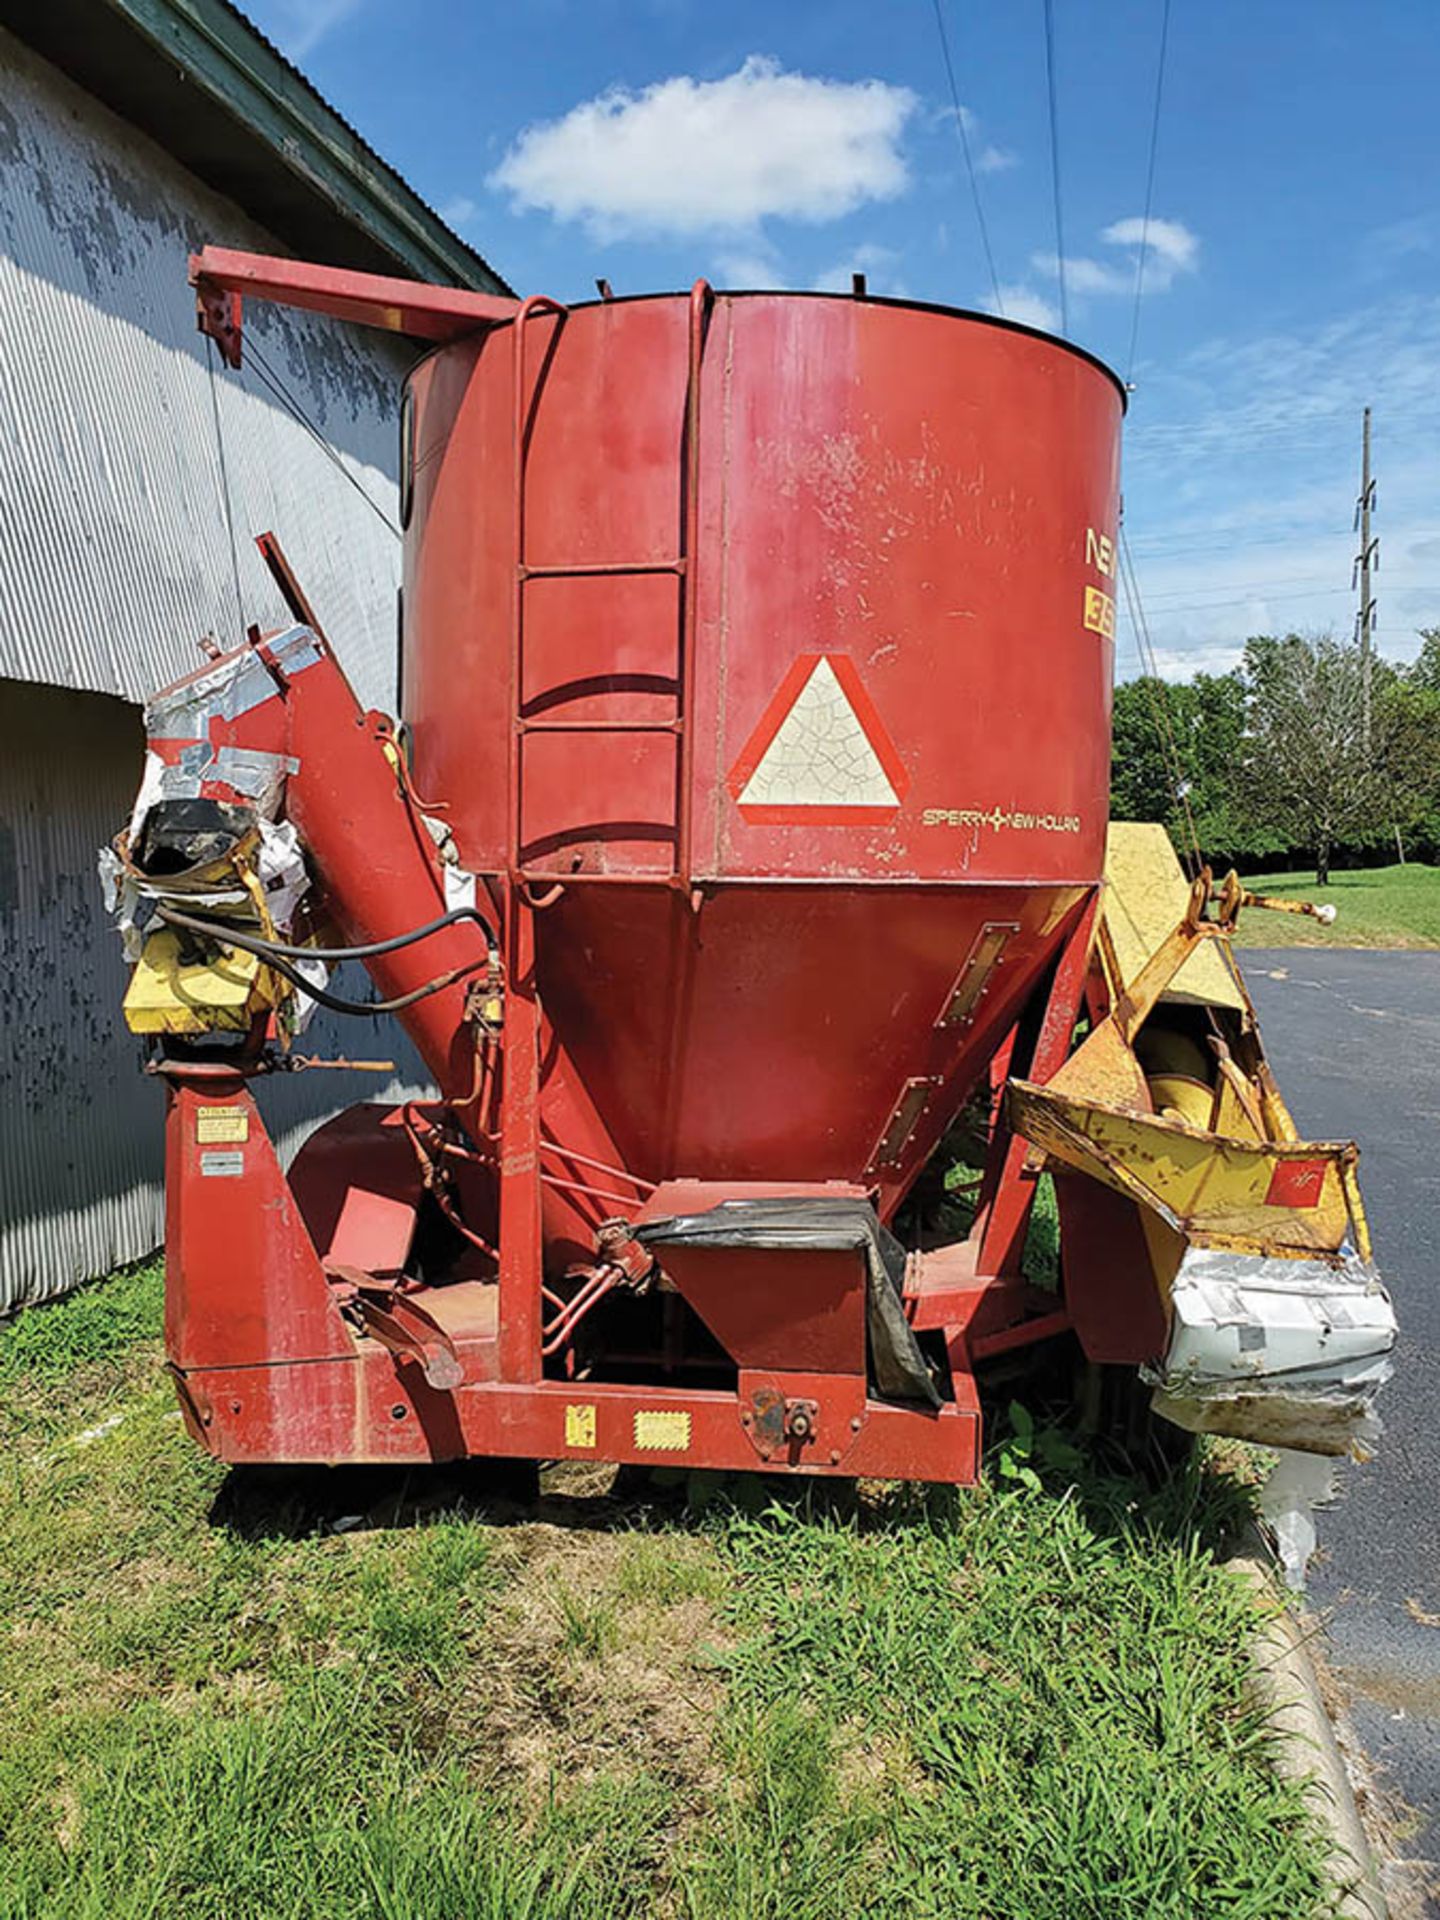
(662, 1431)
(579, 1426)
(213, 1124)
(1099, 612)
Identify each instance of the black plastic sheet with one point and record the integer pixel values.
(897, 1368)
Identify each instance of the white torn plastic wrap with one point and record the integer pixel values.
(458, 882)
(122, 901)
(183, 716)
(152, 788)
(459, 888)
(280, 865)
(302, 1006)
(1298, 1484)
(1287, 1353)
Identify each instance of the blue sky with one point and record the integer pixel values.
(1293, 273)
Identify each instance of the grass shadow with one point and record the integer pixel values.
(298, 1502)
(1057, 1431)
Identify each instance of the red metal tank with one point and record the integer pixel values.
(767, 640)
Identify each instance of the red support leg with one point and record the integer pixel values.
(1006, 1205)
(520, 1235)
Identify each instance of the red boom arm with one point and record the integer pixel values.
(222, 277)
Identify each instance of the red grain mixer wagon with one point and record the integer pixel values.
(746, 818)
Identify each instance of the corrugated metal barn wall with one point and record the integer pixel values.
(115, 559)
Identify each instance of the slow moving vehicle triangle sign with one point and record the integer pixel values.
(820, 754)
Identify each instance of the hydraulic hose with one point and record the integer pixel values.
(272, 955)
(220, 930)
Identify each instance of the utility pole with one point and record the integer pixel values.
(1366, 561)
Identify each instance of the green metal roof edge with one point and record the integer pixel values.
(219, 50)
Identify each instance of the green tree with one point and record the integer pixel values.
(1309, 774)
(1142, 783)
(1205, 719)
(1423, 673)
(1409, 744)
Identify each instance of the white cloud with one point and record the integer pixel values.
(1084, 276)
(458, 212)
(1170, 247)
(1171, 239)
(1170, 250)
(756, 271)
(985, 157)
(1396, 244)
(300, 25)
(1023, 304)
(688, 156)
(995, 160)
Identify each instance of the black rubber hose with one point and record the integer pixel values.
(265, 950)
(220, 930)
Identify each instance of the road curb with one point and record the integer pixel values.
(1285, 1679)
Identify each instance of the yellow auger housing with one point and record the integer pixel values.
(1256, 1240)
(221, 861)
(211, 991)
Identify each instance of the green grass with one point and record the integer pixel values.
(98, 1324)
(1376, 907)
(1024, 1703)
(68, 1366)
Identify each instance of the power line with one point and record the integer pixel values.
(1149, 193)
(1161, 547)
(1158, 695)
(1249, 599)
(1256, 588)
(963, 132)
(1055, 161)
(1158, 437)
(1260, 593)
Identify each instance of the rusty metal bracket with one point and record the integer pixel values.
(775, 1421)
(218, 316)
(802, 1419)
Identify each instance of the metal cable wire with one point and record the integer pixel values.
(1149, 192)
(1157, 694)
(281, 392)
(1055, 162)
(961, 129)
(225, 484)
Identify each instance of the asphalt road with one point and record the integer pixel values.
(1355, 1042)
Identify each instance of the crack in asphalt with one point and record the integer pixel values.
(1354, 1006)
